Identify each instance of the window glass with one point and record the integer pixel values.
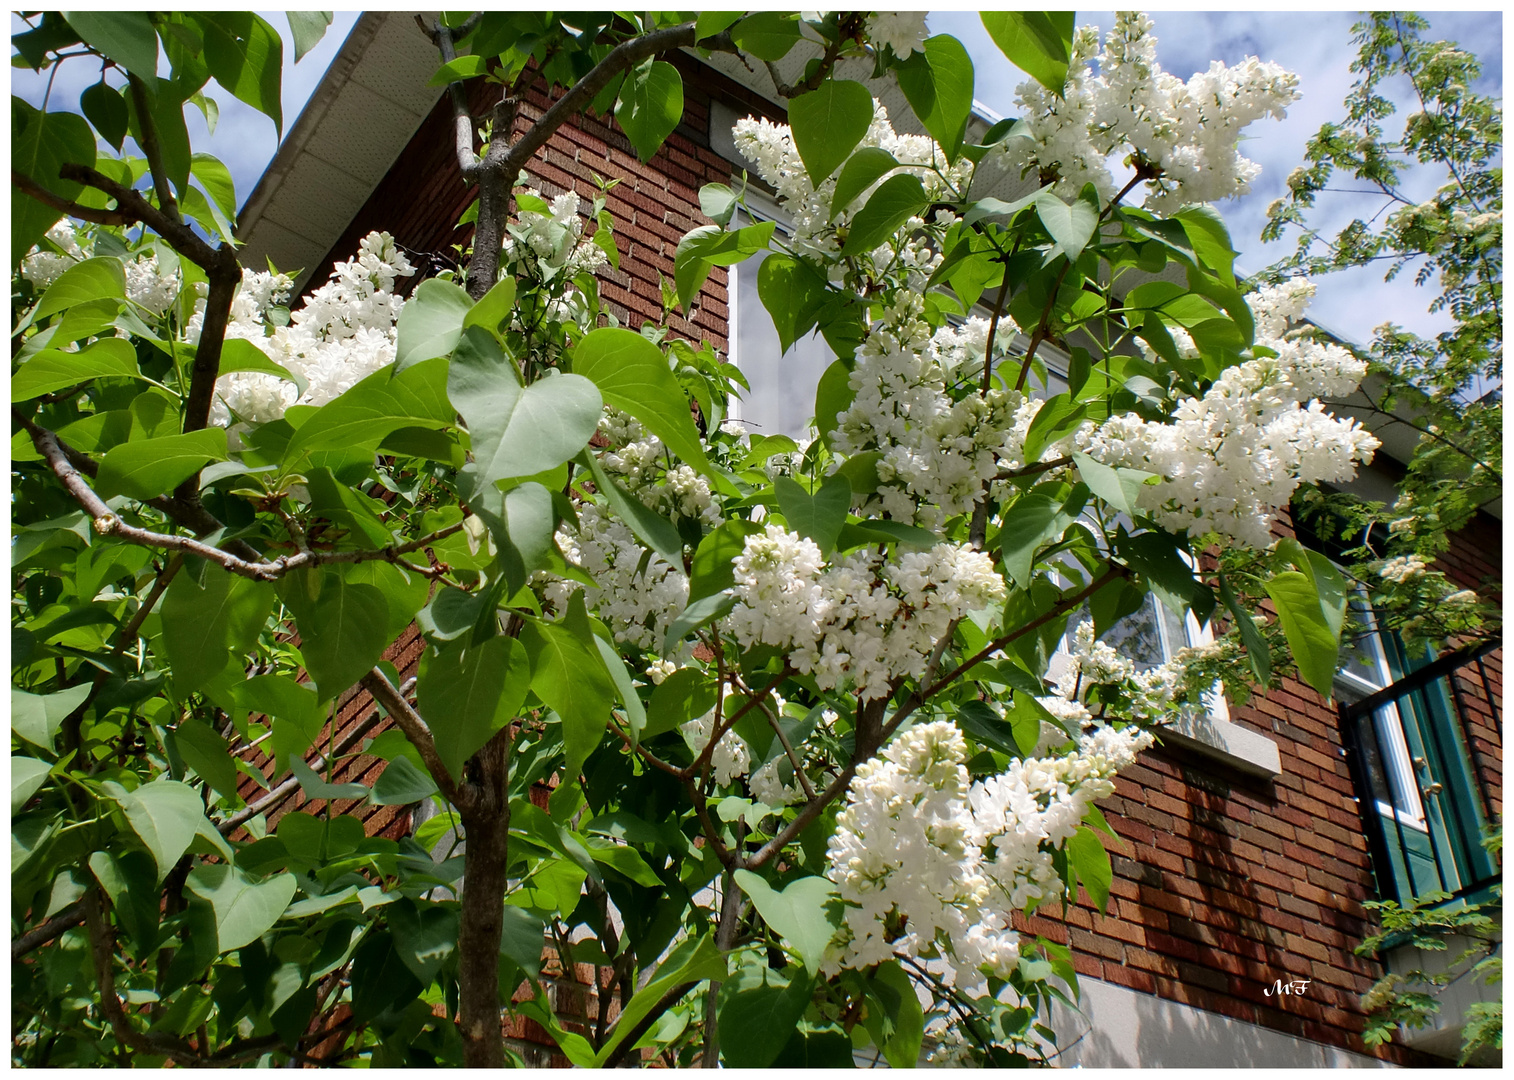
(782, 398)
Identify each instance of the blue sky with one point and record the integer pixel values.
(1313, 43)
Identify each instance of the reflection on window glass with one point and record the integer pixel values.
(1148, 637)
(782, 398)
(1362, 660)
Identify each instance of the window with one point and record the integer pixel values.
(1421, 805)
(782, 396)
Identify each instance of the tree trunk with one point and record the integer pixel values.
(486, 858)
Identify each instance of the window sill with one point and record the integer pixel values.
(1227, 743)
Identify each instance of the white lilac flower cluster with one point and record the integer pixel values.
(547, 244)
(730, 760)
(772, 783)
(902, 31)
(1403, 568)
(770, 147)
(936, 452)
(1148, 695)
(637, 459)
(344, 332)
(931, 865)
(1230, 459)
(146, 283)
(637, 602)
(862, 619)
(1186, 132)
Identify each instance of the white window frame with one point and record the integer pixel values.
(1397, 763)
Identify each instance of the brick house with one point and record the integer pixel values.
(1250, 840)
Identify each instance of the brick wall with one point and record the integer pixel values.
(1223, 884)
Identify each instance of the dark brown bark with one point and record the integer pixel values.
(486, 824)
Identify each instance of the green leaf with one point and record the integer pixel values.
(718, 203)
(209, 629)
(245, 55)
(1328, 581)
(1120, 488)
(147, 469)
(128, 880)
(988, 728)
(813, 1047)
(632, 375)
(1257, 652)
(522, 526)
(651, 528)
(881, 530)
(1086, 852)
(1032, 521)
(216, 179)
(711, 23)
(126, 37)
(36, 718)
(800, 913)
(1071, 225)
(164, 814)
(342, 633)
(758, 1010)
(828, 123)
(467, 692)
(903, 1047)
(307, 28)
(401, 784)
(938, 84)
(521, 940)
(650, 106)
(41, 144)
(105, 108)
(204, 751)
(424, 937)
(244, 909)
(316, 786)
(380, 979)
(239, 354)
(1210, 239)
(713, 568)
(859, 173)
(51, 370)
(495, 307)
(568, 674)
(93, 279)
(698, 612)
(1313, 642)
(464, 67)
(295, 709)
(625, 861)
(767, 35)
(27, 777)
(1039, 43)
(708, 246)
(693, 960)
(818, 516)
(430, 323)
(1059, 416)
(897, 200)
(518, 430)
(683, 695)
(369, 412)
(833, 396)
(793, 294)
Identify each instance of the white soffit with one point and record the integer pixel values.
(365, 110)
